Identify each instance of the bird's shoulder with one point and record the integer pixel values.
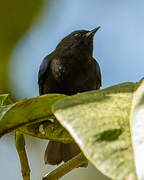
(45, 65)
(43, 70)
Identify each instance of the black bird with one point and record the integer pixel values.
(69, 69)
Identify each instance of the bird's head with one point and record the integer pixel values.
(80, 41)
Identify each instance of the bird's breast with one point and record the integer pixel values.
(66, 70)
(73, 76)
(58, 70)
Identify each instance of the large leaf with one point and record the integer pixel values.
(28, 111)
(99, 123)
(137, 126)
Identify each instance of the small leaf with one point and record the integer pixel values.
(26, 111)
(137, 126)
(47, 130)
(4, 99)
(99, 122)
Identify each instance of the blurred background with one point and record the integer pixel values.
(31, 29)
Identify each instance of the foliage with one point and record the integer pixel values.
(29, 111)
(99, 121)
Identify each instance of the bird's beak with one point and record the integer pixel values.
(91, 33)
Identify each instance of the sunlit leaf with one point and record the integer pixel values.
(5, 102)
(4, 99)
(137, 126)
(99, 123)
(47, 130)
(26, 111)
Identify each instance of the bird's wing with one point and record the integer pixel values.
(43, 70)
(98, 75)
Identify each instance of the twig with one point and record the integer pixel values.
(66, 167)
(20, 146)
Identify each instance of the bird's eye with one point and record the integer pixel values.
(77, 34)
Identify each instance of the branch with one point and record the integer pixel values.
(66, 167)
(20, 146)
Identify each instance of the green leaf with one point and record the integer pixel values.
(47, 130)
(5, 99)
(26, 112)
(137, 127)
(99, 122)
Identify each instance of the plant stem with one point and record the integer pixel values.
(20, 146)
(66, 167)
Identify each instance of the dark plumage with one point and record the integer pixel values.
(69, 69)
